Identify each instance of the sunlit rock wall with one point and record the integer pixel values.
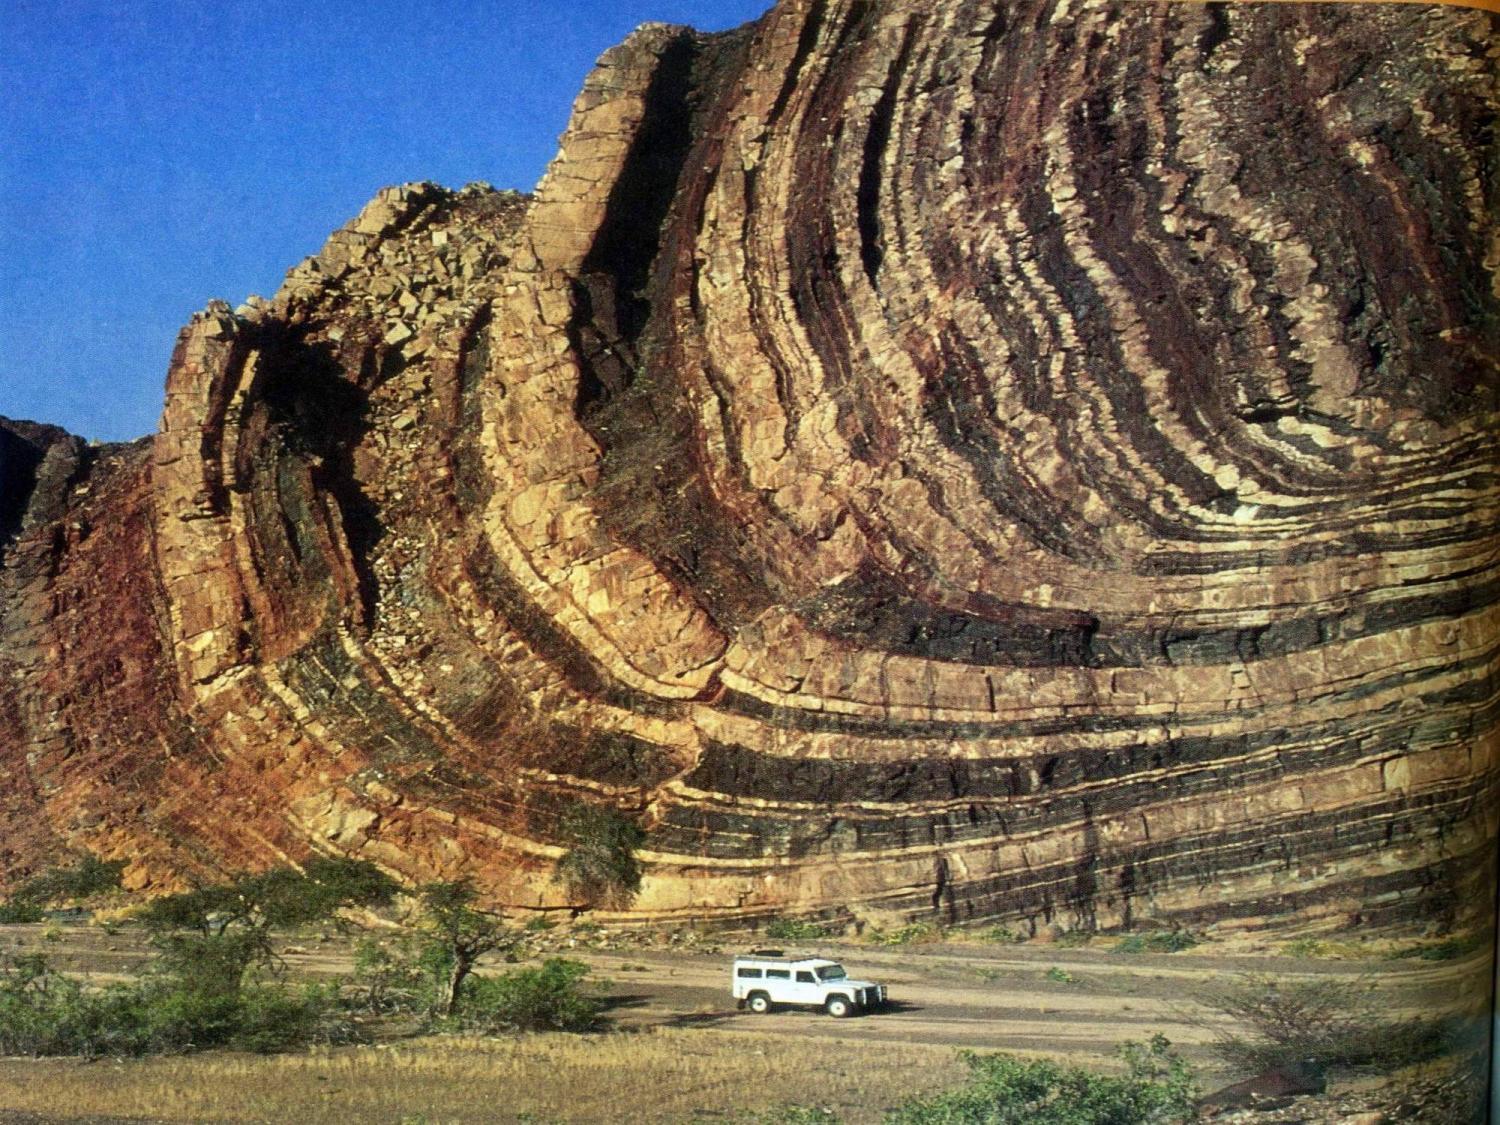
(1033, 462)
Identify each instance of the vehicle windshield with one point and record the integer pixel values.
(831, 972)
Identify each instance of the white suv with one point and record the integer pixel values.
(767, 977)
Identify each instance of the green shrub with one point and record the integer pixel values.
(43, 1012)
(1450, 949)
(550, 997)
(1332, 950)
(1162, 941)
(1156, 1089)
(14, 913)
(273, 1018)
(795, 929)
(915, 933)
(600, 866)
(1003, 935)
(1060, 976)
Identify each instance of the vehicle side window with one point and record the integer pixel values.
(743, 972)
(779, 974)
(804, 977)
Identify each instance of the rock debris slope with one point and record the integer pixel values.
(1031, 461)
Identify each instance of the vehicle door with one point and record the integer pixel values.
(805, 989)
(779, 985)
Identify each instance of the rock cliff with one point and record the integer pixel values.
(1031, 461)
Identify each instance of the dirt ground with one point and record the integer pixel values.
(1078, 1002)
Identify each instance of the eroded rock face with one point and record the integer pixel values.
(914, 457)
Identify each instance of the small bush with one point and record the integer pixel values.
(917, 933)
(1450, 949)
(1003, 935)
(551, 997)
(1004, 1090)
(15, 913)
(271, 1018)
(795, 929)
(1060, 976)
(1328, 1021)
(1327, 949)
(1163, 941)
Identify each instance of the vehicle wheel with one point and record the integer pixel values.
(839, 1006)
(759, 1003)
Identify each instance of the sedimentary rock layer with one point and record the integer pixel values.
(1029, 461)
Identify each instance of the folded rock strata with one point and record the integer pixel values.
(1031, 461)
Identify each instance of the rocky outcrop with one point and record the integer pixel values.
(915, 459)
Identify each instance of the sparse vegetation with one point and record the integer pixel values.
(1156, 1089)
(209, 984)
(916, 933)
(1060, 976)
(1332, 949)
(43, 1012)
(1449, 949)
(1326, 949)
(600, 867)
(1326, 1021)
(795, 929)
(651, 1075)
(1003, 935)
(1161, 941)
(1074, 939)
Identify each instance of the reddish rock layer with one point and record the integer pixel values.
(914, 457)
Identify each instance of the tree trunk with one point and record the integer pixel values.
(462, 963)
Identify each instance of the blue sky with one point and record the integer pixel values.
(155, 155)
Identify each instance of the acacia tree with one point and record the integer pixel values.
(211, 936)
(89, 876)
(463, 934)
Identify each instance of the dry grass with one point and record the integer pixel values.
(658, 1074)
